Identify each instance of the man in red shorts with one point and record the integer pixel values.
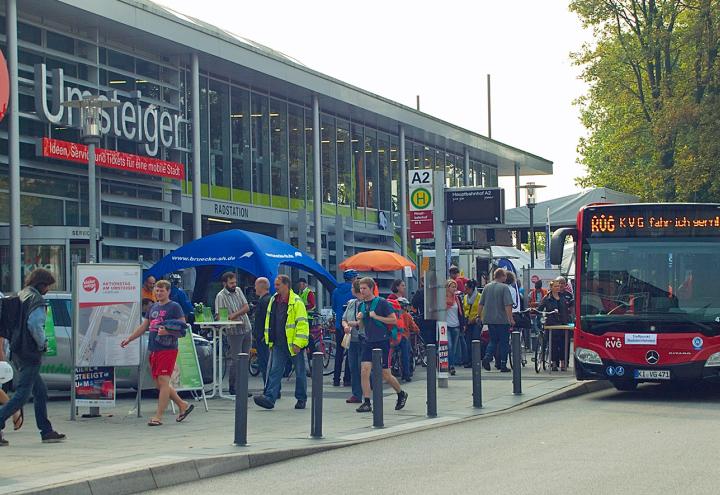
(163, 347)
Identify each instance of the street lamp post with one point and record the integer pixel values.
(90, 113)
(530, 201)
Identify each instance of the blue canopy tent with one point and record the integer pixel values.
(257, 254)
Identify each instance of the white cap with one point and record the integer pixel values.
(6, 372)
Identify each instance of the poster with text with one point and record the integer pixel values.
(95, 387)
(108, 309)
(186, 375)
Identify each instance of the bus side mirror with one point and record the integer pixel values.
(557, 244)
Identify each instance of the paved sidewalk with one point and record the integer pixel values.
(119, 442)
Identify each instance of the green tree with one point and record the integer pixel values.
(653, 108)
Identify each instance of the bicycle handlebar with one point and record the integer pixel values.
(543, 313)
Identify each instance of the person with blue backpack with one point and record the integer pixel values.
(377, 317)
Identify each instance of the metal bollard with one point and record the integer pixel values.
(517, 363)
(377, 388)
(431, 380)
(477, 373)
(241, 399)
(317, 396)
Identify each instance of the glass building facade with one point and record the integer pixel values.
(256, 151)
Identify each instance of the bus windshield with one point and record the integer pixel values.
(647, 285)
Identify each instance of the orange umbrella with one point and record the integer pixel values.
(376, 261)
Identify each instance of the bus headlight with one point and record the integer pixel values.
(713, 360)
(587, 356)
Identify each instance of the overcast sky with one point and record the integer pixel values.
(441, 51)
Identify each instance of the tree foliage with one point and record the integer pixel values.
(653, 108)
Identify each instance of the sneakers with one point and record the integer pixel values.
(300, 404)
(52, 437)
(353, 400)
(364, 407)
(505, 369)
(3, 442)
(486, 364)
(401, 400)
(336, 383)
(452, 371)
(263, 402)
(407, 379)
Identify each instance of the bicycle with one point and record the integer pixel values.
(418, 350)
(321, 340)
(396, 361)
(541, 358)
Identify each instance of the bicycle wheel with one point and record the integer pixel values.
(420, 352)
(539, 355)
(328, 350)
(395, 363)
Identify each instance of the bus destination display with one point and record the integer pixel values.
(656, 222)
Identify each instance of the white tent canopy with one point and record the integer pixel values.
(563, 211)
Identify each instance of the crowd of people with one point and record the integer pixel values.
(281, 330)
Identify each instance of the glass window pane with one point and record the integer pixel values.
(297, 156)
(346, 187)
(260, 149)
(309, 160)
(491, 176)
(60, 43)
(384, 180)
(120, 61)
(279, 145)
(219, 139)
(395, 173)
(204, 145)
(358, 157)
(371, 170)
(327, 159)
(241, 167)
(31, 34)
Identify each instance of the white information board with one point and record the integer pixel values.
(107, 310)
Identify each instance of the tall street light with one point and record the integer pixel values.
(90, 112)
(531, 201)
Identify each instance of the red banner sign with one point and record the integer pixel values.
(421, 224)
(74, 152)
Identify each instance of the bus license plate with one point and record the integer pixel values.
(653, 374)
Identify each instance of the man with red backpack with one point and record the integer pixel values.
(377, 317)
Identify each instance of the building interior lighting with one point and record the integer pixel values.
(325, 141)
(236, 115)
(118, 81)
(274, 114)
(219, 220)
(255, 115)
(141, 81)
(340, 141)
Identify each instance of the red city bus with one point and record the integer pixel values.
(647, 296)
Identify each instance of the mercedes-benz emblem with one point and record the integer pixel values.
(652, 357)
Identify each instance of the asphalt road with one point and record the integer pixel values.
(654, 441)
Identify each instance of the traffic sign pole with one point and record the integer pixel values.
(440, 231)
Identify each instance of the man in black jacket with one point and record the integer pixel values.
(262, 291)
(27, 347)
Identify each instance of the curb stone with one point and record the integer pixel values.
(174, 473)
